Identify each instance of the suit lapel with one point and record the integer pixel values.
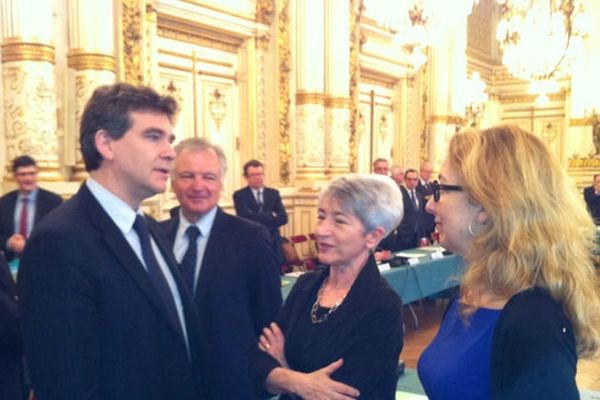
(123, 253)
(210, 260)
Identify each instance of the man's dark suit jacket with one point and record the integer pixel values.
(11, 347)
(411, 229)
(237, 294)
(93, 323)
(247, 207)
(593, 203)
(428, 219)
(46, 201)
(366, 331)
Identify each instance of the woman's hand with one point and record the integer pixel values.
(318, 385)
(272, 342)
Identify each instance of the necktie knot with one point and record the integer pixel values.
(192, 232)
(24, 200)
(139, 224)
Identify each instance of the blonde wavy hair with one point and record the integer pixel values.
(538, 231)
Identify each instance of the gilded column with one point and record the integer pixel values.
(447, 71)
(29, 86)
(337, 87)
(91, 63)
(310, 98)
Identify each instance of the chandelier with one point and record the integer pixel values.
(475, 97)
(540, 39)
(416, 23)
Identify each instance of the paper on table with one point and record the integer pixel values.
(410, 255)
(295, 274)
(409, 396)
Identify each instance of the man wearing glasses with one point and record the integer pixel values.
(21, 209)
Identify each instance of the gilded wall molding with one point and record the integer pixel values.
(338, 102)
(284, 62)
(25, 51)
(446, 119)
(424, 128)
(132, 37)
(530, 98)
(575, 162)
(79, 60)
(356, 7)
(264, 11)
(309, 98)
(262, 48)
(581, 122)
(197, 39)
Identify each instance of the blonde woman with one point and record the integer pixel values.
(529, 301)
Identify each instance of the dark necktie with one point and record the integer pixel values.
(24, 217)
(156, 275)
(190, 258)
(414, 200)
(259, 200)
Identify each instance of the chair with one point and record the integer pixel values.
(310, 261)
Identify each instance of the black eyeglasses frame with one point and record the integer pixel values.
(436, 187)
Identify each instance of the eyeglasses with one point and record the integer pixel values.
(437, 187)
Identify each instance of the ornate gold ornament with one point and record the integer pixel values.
(356, 41)
(264, 11)
(24, 51)
(284, 52)
(132, 36)
(217, 107)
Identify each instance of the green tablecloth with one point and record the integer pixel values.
(413, 282)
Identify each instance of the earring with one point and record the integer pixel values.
(470, 228)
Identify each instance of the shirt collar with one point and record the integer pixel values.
(205, 222)
(32, 196)
(119, 211)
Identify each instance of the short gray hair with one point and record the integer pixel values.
(201, 144)
(374, 199)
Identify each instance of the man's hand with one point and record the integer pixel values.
(16, 243)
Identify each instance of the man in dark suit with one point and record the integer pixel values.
(261, 204)
(11, 347)
(591, 194)
(21, 209)
(229, 265)
(424, 186)
(105, 314)
(411, 229)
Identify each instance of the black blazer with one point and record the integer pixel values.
(93, 324)
(247, 207)
(46, 201)
(366, 331)
(593, 203)
(412, 227)
(428, 219)
(11, 347)
(237, 294)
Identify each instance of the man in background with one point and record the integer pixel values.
(397, 174)
(105, 313)
(229, 266)
(411, 230)
(381, 167)
(591, 194)
(261, 204)
(22, 209)
(425, 187)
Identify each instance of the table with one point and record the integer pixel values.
(413, 282)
